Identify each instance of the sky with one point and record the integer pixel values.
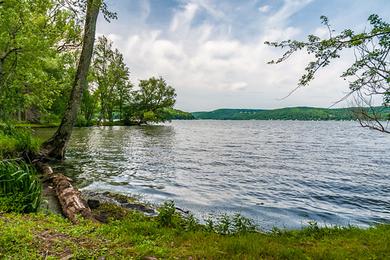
(213, 53)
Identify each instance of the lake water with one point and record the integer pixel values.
(279, 173)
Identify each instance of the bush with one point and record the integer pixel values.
(20, 189)
(242, 224)
(50, 119)
(230, 225)
(81, 121)
(15, 141)
(167, 214)
(224, 224)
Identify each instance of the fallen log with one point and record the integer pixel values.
(68, 196)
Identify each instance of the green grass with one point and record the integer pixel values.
(133, 235)
(14, 142)
(40, 125)
(20, 188)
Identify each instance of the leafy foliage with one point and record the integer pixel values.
(111, 76)
(16, 142)
(224, 224)
(20, 189)
(40, 45)
(151, 102)
(370, 71)
(32, 34)
(166, 214)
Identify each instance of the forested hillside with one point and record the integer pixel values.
(293, 113)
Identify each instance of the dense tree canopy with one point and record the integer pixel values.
(151, 101)
(368, 76)
(112, 79)
(32, 62)
(40, 45)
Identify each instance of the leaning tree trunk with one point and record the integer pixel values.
(1, 71)
(56, 145)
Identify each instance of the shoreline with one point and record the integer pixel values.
(127, 232)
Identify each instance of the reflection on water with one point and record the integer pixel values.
(280, 173)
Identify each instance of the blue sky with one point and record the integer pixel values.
(212, 51)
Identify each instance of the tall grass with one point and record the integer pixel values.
(224, 225)
(16, 141)
(20, 189)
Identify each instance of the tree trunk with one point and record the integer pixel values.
(68, 196)
(1, 72)
(56, 145)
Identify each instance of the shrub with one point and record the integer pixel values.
(242, 224)
(81, 121)
(166, 214)
(209, 224)
(229, 225)
(15, 141)
(191, 223)
(224, 225)
(20, 189)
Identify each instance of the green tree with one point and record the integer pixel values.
(151, 101)
(102, 55)
(33, 36)
(120, 84)
(88, 107)
(56, 145)
(112, 79)
(369, 75)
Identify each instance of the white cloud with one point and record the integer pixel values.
(210, 8)
(289, 8)
(322, 32)
(212, 69)
(145, 9)
(182, 19)
(264, 8)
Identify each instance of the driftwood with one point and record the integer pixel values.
(69, 197)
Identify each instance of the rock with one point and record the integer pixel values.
(149, 258)
(118, 200)
(93, 204)
(138, 207)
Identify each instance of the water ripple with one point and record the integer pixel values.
(280, 173)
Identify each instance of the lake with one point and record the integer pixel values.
(279, 173)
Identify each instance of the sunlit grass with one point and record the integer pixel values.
(135, 235)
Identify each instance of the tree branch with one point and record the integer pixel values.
(9, 52)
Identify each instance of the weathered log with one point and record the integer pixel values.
(71, 202)
(69, 197)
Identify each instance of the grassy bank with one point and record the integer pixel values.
(133, 235)
(15, 141)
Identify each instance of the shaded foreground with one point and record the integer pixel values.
(130, 234)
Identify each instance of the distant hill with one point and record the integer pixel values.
(175, 114)
(226, 114)
(290, 113)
